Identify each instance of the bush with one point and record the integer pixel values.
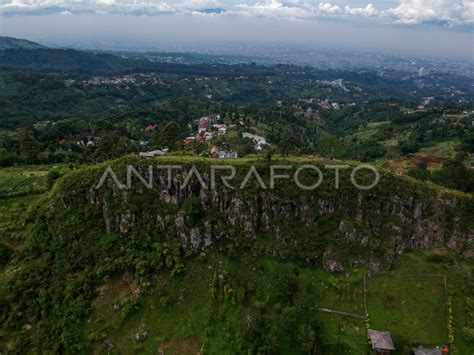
(5, 254)
(468, 333)
(54, 174)
(194, 211)
(455, 175)
(420, 173)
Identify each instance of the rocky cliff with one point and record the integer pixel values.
(337, 228)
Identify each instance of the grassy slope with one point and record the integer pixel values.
(407, 301)
(20, 188)
(17, 181)
(411, 306)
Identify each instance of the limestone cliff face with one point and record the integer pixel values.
(336, 228)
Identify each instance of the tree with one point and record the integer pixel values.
(369, 150)
(468, 142)
(288, 143)
(246, 147)
(268, 156)
(29, 146)
(54, 174)
(6, 158)
(420, 173)
(409, 147)
(168, 136)
(307, 338)
(5, 253)
(455, 175)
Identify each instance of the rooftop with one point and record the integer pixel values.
(381, 340)
(423, 351)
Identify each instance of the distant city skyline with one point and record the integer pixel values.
(442, 28)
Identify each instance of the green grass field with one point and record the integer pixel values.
(26, 180)
(443, 150)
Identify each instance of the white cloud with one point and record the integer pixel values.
(450, 12)
(369, 10)
(275, 8)
(444, 12)
(106, 2)
(33, 4)
(327, 8)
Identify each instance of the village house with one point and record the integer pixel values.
(324, 104)
(203, 123)
(381, 342)
(150, 128)
(189, 140)
(214, 151)
(259, 141)
(42, 124)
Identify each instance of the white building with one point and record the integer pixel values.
(259, 141)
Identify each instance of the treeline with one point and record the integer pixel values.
(98, 63)
(454, 174)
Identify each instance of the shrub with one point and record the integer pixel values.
(5, 253)
(54, 174)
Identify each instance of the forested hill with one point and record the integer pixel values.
(20, 54)
(17, 43)
(83, 62)
(79, 239)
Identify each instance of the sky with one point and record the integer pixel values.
(423, 27)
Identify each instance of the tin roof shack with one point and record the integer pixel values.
(436, 351)
(381, 342)
(227, 155)
(153, 153)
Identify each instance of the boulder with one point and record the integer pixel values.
(107, 345)
(140, 337)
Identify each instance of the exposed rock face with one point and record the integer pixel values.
(336, 228)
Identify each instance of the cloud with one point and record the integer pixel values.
(451, 13)
(369, 11)
(327, 8)
(274, 8)
(106, 2)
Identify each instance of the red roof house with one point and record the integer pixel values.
(150, 128)
(214, 151)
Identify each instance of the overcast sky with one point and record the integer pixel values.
(432, 27)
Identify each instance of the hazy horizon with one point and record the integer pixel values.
(440, 29)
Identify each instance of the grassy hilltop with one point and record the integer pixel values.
(230, 271)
